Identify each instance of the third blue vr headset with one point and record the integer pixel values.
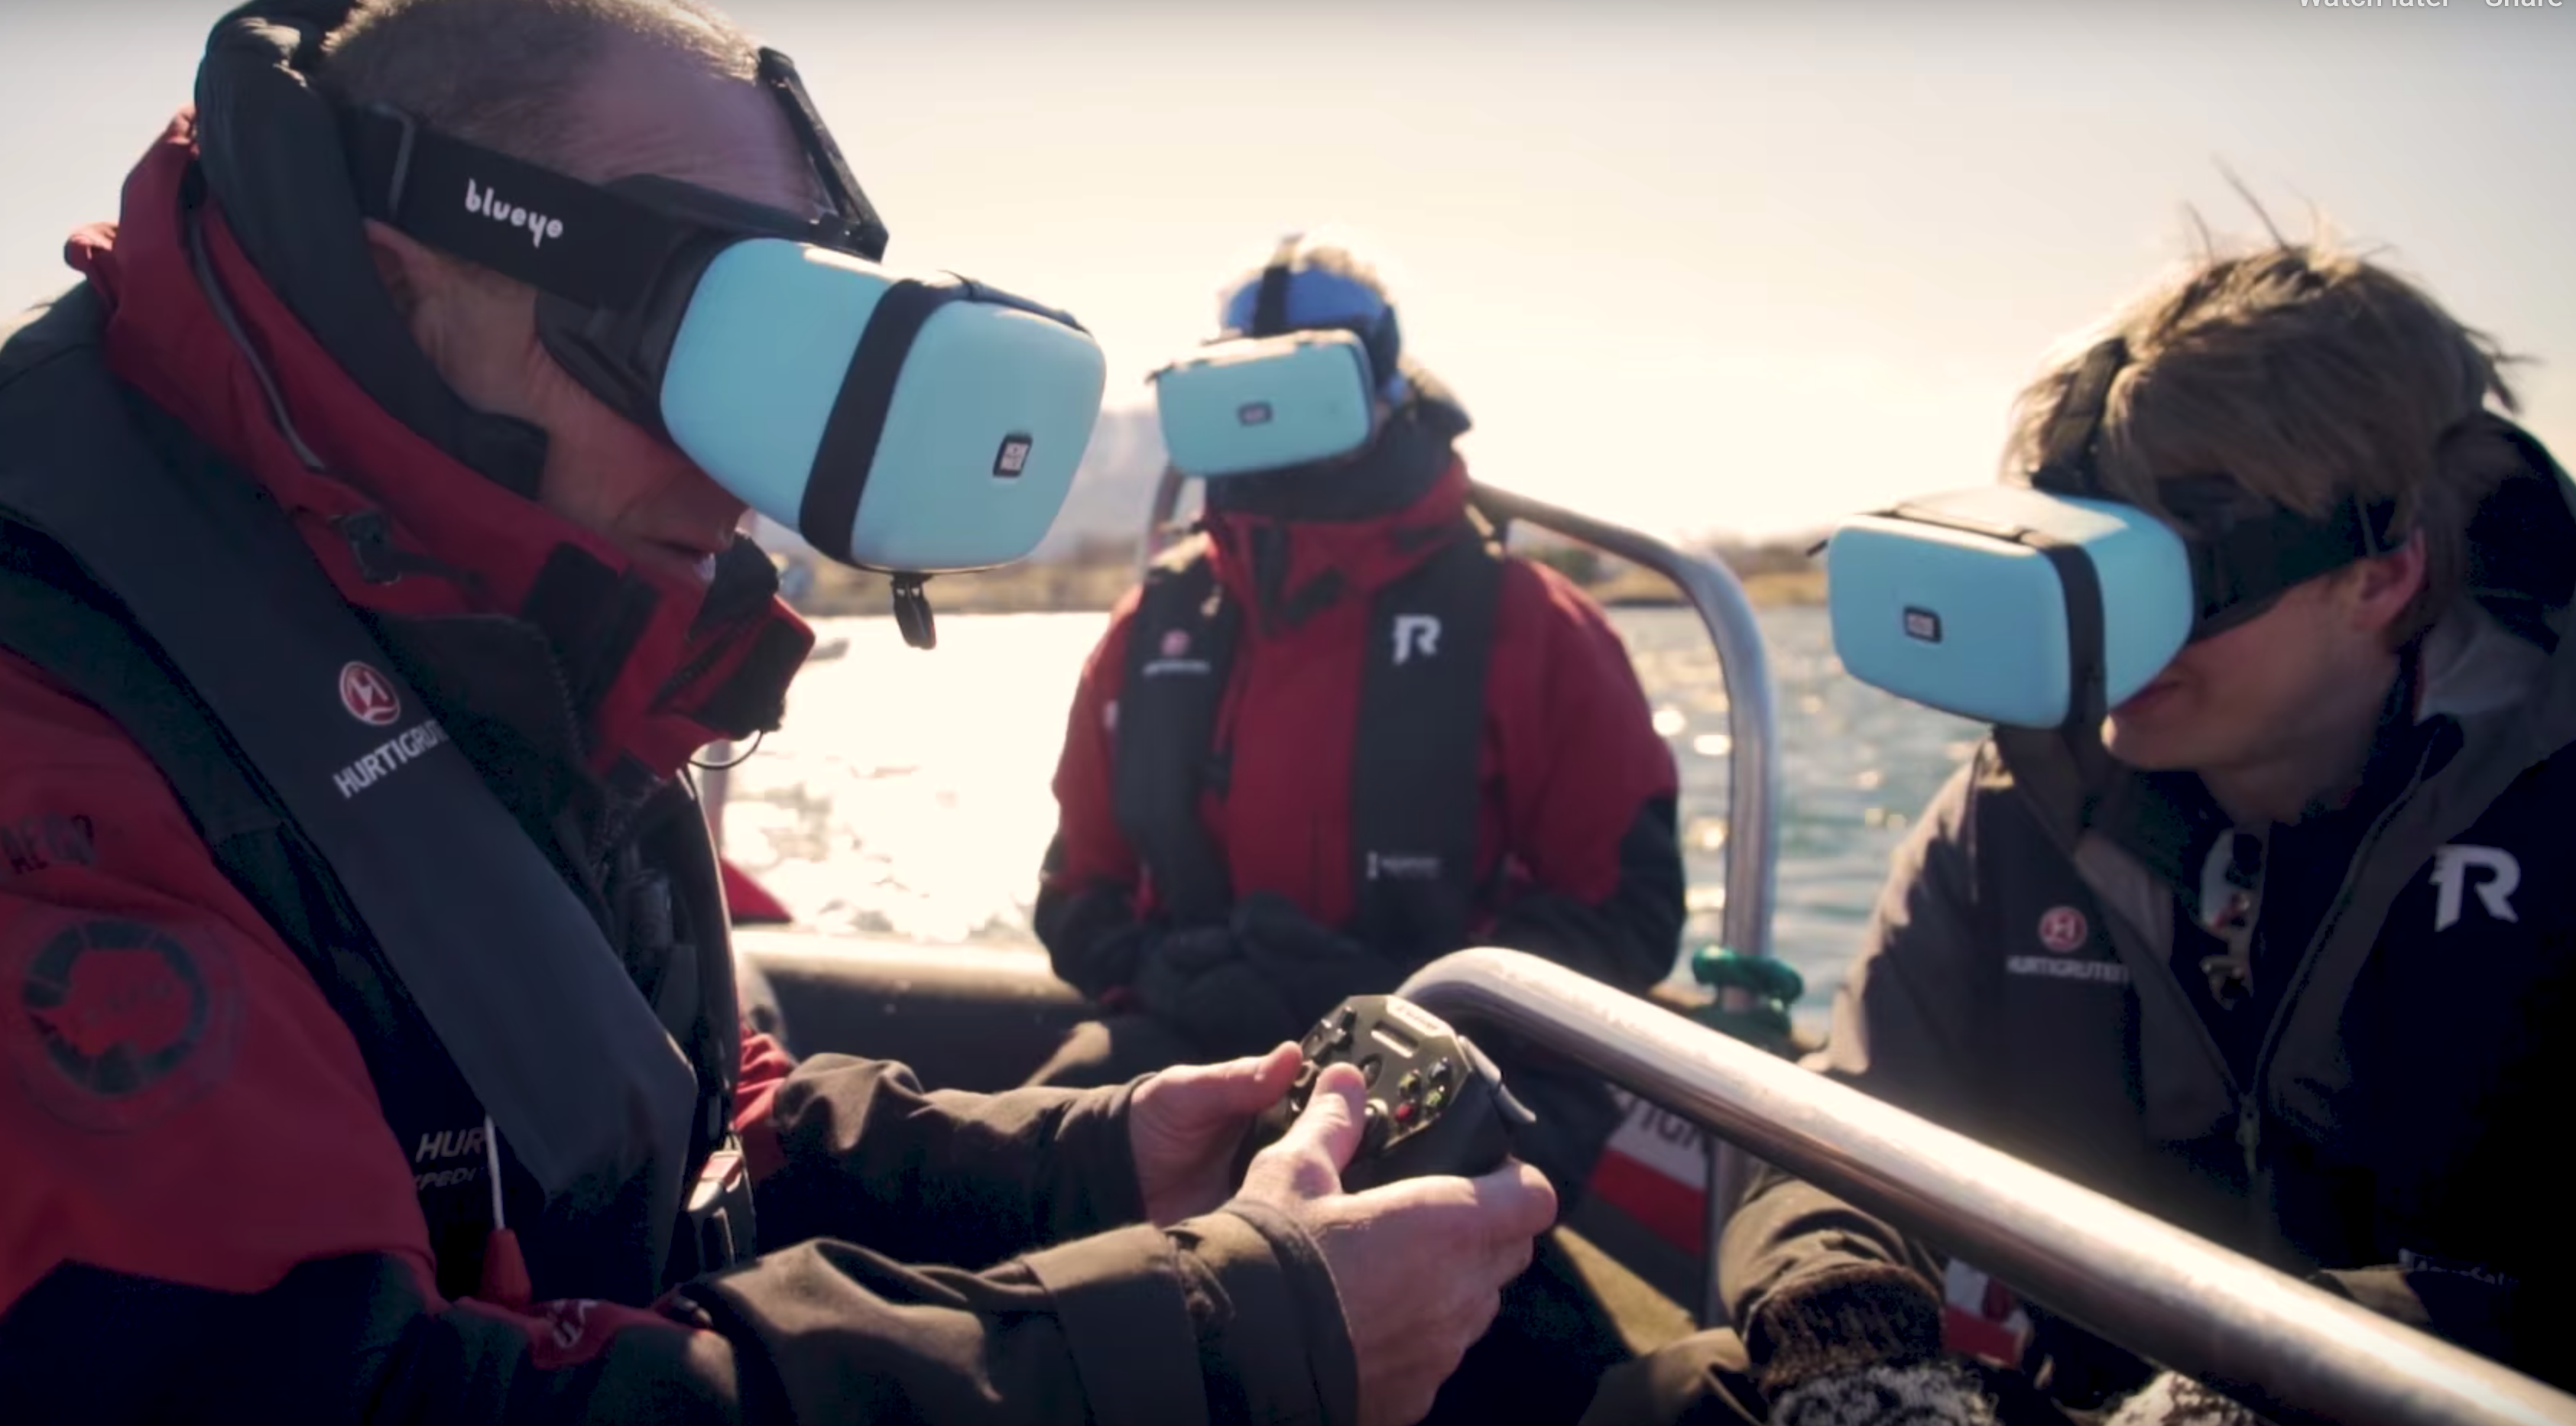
(1309, 355)
(2045, 607)
(913, 425)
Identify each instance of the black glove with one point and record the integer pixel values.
(1312, 968)
(1198, 981)
(1170, 963)
(1235, 1010)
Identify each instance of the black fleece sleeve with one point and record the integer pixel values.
(1090, 928)
(1228, 1320)
(863, 1152)
(1627, 939)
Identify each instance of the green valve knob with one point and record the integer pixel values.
(1765, 978)
(1773, 986)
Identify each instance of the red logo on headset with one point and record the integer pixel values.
(368, 695)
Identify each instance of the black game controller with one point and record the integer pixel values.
(1436, 1105)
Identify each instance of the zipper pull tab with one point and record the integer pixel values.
(2249, 1133)
(505, 1272)
(380, 561)
(365, 532)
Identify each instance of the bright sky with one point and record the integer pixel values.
(1715, 266)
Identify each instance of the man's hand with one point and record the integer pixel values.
(1420, 1264)
(1185, 1125)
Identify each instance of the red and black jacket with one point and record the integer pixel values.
(229, 1130)
(1421, 743)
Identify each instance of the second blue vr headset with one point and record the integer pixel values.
(1315, 352)
(2047, 606)
(913, 425)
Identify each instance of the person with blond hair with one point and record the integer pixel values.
(2277, 949)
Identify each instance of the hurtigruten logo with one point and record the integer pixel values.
(487, 202)
(369, 697)
(389, 757)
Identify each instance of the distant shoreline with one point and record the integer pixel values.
(1094, 586)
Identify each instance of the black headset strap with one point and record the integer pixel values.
(2087, 400)
(2277, 549)
(600, 248)
(1270, 305)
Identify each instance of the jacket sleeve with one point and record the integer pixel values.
(1087, 914)
(195, 1153)
(1817, 1284)
(1589, 791)
(850, 1148)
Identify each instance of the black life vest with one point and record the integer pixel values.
(1415, 802)
(588, 1011)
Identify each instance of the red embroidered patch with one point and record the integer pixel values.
(113, 1025)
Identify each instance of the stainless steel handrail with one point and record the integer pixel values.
(715, 786)
(1752, 716)
(2291, 1350)
(1753, 757)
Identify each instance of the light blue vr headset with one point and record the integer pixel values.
(1300, 384)
(1266, 403)
(913, 425)
(2045, 607)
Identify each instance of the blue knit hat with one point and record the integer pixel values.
(1319, 285)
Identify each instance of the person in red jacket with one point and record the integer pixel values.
(1339, 735)
(368, 1045)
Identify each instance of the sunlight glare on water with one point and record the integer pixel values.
(909, 793)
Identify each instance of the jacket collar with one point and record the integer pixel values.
(1288, 570)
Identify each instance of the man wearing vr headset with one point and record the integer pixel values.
(1340, 735)
(2280, 949)
(370, 1040)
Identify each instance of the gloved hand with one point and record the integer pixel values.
(1915, 1394)
(1198, 980)
(2175, 1400)
(1234, 1010)
(1312, 969)
(1169, 964)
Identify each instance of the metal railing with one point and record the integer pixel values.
(715, 786)
(2287, 1349)
(1753, 756)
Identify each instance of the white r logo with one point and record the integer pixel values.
(2451, 876)
(1416, 633)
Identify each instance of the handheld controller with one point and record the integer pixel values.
(1436, 1105)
